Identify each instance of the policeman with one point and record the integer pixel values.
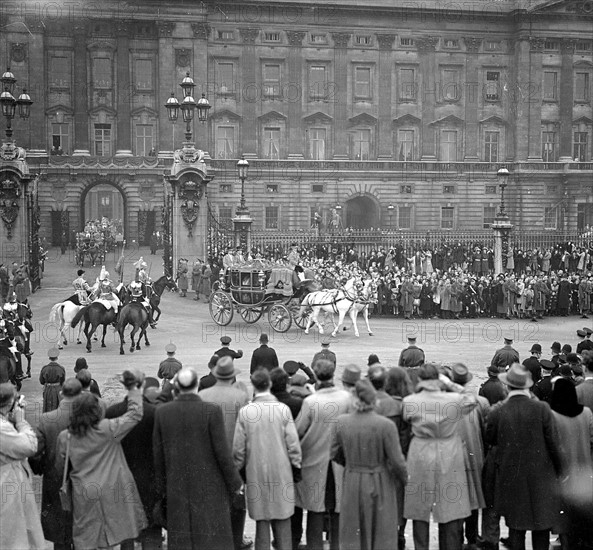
(225, 350)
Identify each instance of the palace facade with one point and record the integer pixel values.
(397, 113)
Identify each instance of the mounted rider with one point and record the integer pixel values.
(82, 289)
(141, 289)
(107, 292)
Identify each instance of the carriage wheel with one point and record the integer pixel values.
(221, 308)
(251, 315)
(279, 318)
(299, 318)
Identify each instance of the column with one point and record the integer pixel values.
(124, 91)
(341, 95)
(166, 85)
(81, 90)
(38, 140)
(472, 95)
(385, 149)
(294, 92)
(200, 67)
(566, 100)
(428, 94)
(533, 96)
(251, 93)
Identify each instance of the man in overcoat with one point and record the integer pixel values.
(412, 356)
(52, 377)
(505, 356)
(528, 461)
(264, 356)
(194, 469)
(225, 350)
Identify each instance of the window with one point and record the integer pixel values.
(449, 189)
(451, 43)
(144, 139)
(317, 82)
(448, 146)
(580, 146)
(272, 188)
(363, 40)
(271, 217)
(60, 72)
(271, 79)
(225, 216)
(103, 140)
(406, 42)
(550, 86)
(317, 188)
(491, 143)
(492, 91)
(227, 36)
(582, 87)
(405, 217)
(407, 84)
(405, 189)
(60, 138)
(489, 215)
(584, 216)
(360, 144)
(551, 45)
(549, 146)
(450, 86)
(447, 216)
(405, 140)
(224, 77)
(583, 46)
(102, 72)
(226, 188)
(551, 217)
(491, 190)
(492, 45)
(271, 143)
(144, 74)
(272, 36)
(317, 143)
(362, 83)
(317, 38)
(225, 142)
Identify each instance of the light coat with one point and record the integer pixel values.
(267, 445)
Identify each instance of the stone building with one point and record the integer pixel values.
(397, 113)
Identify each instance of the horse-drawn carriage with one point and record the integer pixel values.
(259, 287)
(95, 242)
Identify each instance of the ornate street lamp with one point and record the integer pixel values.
(242, 169)
(503, 177)
(9, 103)
(390, 209)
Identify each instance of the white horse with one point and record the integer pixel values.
(347, 300)
(64, 313)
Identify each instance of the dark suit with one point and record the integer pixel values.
(412, 356)
(543, 389)
(533, 365)
(504, 357)
(194, 470)
(206, 382)
(228, 352)
(264, 357)
(292, 402)
(584, 345)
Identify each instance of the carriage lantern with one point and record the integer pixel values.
(261, 277)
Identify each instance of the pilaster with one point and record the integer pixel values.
(250, 93)
(566, 99)
(472, 97)
(124, 139)
(534, 100)
(341, 95)
(426, 48)
(166, 85)
(385, 149)
(295, 92)
(81, 101)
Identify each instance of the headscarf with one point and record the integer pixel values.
(564, 399)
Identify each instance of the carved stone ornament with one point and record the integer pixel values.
(537, 44)
(9, 206)
(9, 151)
(340, 39)
(18, 53)
(166, 29)
(189, 155)
(295, 38)
(201, 30)
(427, 44)
(567, 46)
(182, 58)
(385, 41)
(249, 35)
(190, 192)
(472, 44)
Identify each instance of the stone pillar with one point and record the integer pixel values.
(341, 95)
(166, 85)
(428, 94)
(566, 100)
(81, 91)
(294, 94)
(242, 231)
(385, 149)
(534, 99)
(472, 94)
(124, 95)
(501, 228)
(38, 145)
(251, 93)
(200, 68)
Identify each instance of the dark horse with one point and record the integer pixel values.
(96, 314)
(157, 290)
(136, 315)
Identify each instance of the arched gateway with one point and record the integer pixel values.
(362, 212)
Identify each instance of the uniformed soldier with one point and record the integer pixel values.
(52, 377)
(412, 356)
(106, 290)
(82, 289)
(325, 353)
(138, 296)
(169, 367)
(225, 351)
(10, 308)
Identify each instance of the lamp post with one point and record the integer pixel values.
(242, 169)
(501, 227)
(390, 209)
(242, 220)
(503, 177)
(9, 103)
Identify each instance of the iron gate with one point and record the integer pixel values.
(34, 220)
(220, 236)
(167, 223)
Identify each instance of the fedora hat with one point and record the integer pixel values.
(351, 374)
(517, 377)
(225, 369)
(460, 374)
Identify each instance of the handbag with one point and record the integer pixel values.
(66, 488)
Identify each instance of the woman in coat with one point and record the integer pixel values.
(575, 430)
(106, 504)
(205, 287)
(196, 278)
(367, 445)
(446, 299)
(20, 526)
(436, 459)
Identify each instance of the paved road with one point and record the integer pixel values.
(187, 323)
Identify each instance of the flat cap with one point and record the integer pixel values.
(225, 340)
(171, 348)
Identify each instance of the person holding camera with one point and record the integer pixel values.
(20, 526)
(106, 505)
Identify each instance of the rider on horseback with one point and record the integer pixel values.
(82, 289)
(145, 282)
(107, 294)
